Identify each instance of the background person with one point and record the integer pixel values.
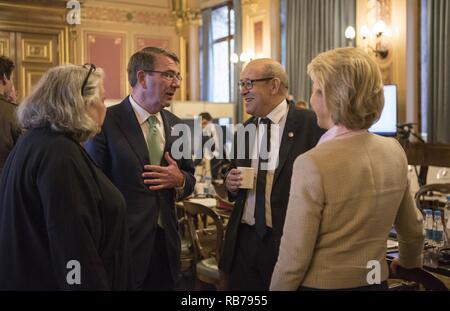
(9, 131)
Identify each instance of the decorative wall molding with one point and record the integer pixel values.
(143, 40)
(113, 15)
(253, 4)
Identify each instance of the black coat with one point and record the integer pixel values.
(300, 134)
(121, 152)
(57, 206)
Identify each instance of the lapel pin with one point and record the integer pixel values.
(291, 134)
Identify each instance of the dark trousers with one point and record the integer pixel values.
(254, 260)
(383, 286)
(159, 276)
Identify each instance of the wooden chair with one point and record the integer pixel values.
(187, 256)
(207, 258)
(425, 191)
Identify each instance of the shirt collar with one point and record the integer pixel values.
(142, 114)
(338, 131)
(277, 114)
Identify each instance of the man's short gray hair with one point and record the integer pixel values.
(274, 69)
(144, 59)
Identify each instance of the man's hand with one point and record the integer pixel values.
(233, 181)
(394, 265)
(163, 177)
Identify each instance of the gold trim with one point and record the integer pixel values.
(138, 36)
(4, 47)
(27, 45)
(26, 78)
(32, 7)
(183, 61)
(63, 49)
(114, 15)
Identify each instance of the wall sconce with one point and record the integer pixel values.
(350, 34)
(374, 41)
(377, 38)
(243, 58)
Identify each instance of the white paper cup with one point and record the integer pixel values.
(248, 177)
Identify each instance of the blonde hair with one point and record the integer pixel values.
(352, 85)
(57, 101)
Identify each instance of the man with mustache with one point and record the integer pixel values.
(283, 132)
(134, 150)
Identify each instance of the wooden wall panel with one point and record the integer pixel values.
(107, 50)
(148, 40)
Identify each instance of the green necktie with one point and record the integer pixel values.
(154, 141)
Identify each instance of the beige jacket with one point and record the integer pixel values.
(345, 196)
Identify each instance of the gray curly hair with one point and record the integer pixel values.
(57, 101)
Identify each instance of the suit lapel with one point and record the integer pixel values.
(168, 134)
(132, 131)
(287, 140)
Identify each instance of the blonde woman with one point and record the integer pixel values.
(347, 191)
(62, 222)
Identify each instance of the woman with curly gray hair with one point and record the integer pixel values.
(62, 222)
(347, 191)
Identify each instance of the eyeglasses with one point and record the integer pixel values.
(248, 84)
(169, 75)
(91, 70)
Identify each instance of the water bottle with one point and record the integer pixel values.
(208, 186)
(428, 227)
(447, 220)
(438, 230)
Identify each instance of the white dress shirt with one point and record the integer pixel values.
(142, 115)
(278, 117)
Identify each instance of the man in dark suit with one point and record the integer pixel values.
(282, 132)
(135, 134)
(9, 131)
